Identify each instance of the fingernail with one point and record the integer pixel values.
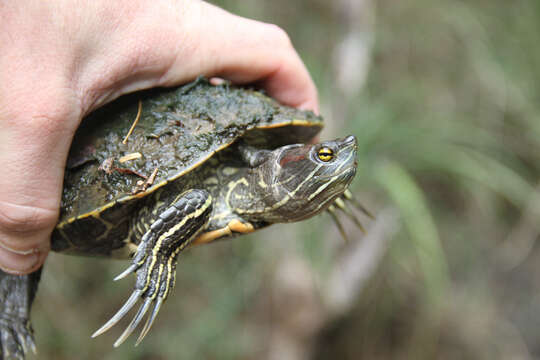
(217, 81)
(19, 264)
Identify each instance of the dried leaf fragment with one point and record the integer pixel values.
(130, 172)
(107, 165)
(130, 156)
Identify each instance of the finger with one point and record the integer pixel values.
(16, 264)
(30, 186)
(169, 43)
(251, 51)
(39, 113)
(33, 147)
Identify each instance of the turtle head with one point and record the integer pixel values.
(307, 178)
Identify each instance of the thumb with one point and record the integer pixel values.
(35, 134)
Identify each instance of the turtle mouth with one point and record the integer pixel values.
(348, 174)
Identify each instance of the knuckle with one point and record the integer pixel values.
(22, 220)
(47, 109)
(278, 36)
(54, 115)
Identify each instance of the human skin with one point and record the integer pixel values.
(59, 60)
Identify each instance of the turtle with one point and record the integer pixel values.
(203, 162)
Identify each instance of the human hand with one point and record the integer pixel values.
(60, 60)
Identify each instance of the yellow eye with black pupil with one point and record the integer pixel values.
(325, 154)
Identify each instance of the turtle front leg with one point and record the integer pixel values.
(16, 296)
(156, 257)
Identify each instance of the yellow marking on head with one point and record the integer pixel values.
(232, 185)
(279, 184)
(346, 161)
(321, 188)
(283, 201)
(320, 206)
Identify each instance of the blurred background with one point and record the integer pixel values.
(444, 98)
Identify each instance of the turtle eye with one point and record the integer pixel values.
(325, 154)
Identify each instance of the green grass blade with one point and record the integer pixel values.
(420, 224)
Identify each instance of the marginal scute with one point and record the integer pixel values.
(116, 236)
(92, 226)
(61, 242)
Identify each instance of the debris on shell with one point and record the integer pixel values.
(143, 185)
(134, 123)
(152, 177)
(130, 156)
(107, 165)
(129, 172)
(138, 188)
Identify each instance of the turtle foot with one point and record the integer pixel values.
(17, 337)
(155, 279)
(156, 257)
(149, 299)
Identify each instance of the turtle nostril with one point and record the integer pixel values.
(350, 139)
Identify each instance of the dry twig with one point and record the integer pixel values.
(134, 123)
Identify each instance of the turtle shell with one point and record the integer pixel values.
(177, 130)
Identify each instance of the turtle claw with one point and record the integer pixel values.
(138, 259)
(343, 203)
(347, 195)
(149, 321)
(132, 268)
(340, 203)
(120, 314)
(332, 211)
(136, 320)
(128, 305)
